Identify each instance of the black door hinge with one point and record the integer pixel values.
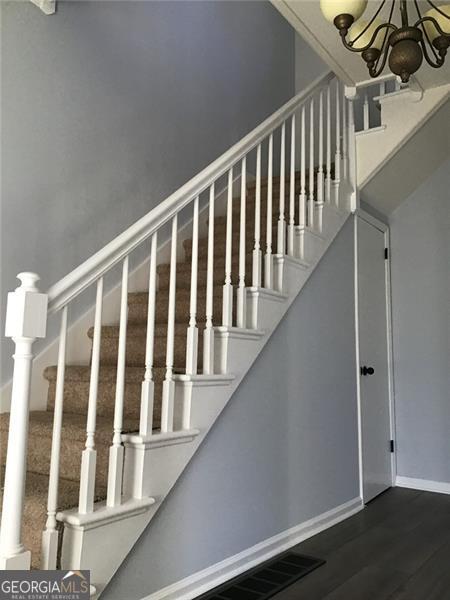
(391, 445)
(386, 253)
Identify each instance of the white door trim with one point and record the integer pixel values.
(384, 228)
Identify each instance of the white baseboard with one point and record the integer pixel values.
(209, 578)
(425, 485)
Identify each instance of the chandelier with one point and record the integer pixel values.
(419, 35)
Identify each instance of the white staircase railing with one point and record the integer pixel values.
(368, 97)
(310, 132)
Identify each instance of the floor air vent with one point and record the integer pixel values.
(266, 580)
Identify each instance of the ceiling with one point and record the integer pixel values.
(305, 16)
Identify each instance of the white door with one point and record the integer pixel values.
(373, 358)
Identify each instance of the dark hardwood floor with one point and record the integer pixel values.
(397, 548)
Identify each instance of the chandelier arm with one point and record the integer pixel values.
(435, 23)
(436, 8)
(381, 62)
(427, 37)
(439, 61)
(377, 12)
(349, 45)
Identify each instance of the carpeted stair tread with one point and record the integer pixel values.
(81, 373)
(184, 275)
(220, 241)
(250, 209)
(184, 267)
(219, 250)
(136, 344)
(77, 383)
(137, 305)
(35, 509)
(138, 330)
(251, 185)
(73, 440)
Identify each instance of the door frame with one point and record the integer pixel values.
(384, 228)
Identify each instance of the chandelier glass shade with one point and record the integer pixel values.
(420, 35)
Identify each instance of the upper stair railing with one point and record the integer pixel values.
(315, 133)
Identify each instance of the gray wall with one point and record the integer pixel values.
(420, 237)
(373, 211)
(284, 450)
(107, 107)
(308, 64)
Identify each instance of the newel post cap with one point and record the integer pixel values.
(26, 310)
(28, 282)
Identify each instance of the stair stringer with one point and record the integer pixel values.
(101, 540)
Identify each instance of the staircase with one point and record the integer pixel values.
(118, 432)
(77, 377)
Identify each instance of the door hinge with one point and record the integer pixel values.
(386, 253)
(391, 445)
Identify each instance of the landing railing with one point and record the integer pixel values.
(368, 97)
(314, 134)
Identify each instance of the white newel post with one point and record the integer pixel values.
(26, 319)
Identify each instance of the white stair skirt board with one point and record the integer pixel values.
(425, 485)
(207, 579)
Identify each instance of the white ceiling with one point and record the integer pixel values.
(305, 16)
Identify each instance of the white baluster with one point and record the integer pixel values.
(366, 114)
(241, 315)
(26, 317)
(168, 394)
(292, 192)
(344, 139)
(227, 297)
(302, 195)
(268, 259)
(320, 175)
(50, 535)
(281, 242)
(328, 177)
(89, 456)
(116, 451)
(354, 201)
(337, 159)
(148, 385)
(208, 334)
(257, 256)
(382, 93)
(311, 202)
(192, 332)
